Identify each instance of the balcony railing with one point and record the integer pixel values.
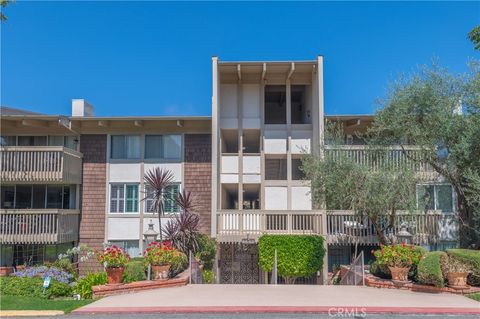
(40, 164)
(395, 157)
(42, 226)
(345, 227)
(235, 225)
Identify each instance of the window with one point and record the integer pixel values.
(8, 140)
(23, 196)
(54, 196)
(7, 197)
(435, 197)
(275, 104)
(297, 173)
(125, 147)
(124, 198)
(38, 196)
(169, 205)
(32, 141)
(130, 246)
(163, 146)
(276, 169)
(300, 108)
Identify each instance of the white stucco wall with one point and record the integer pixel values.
(251, 101)
(123, 172)
(230, 164)
(175, 168)
(251, 164)
(229, 178)
(251, 179)
(275, 142)
(301, 142)
(123, 228)
(275, 198)
(301, 198)
(228, 101)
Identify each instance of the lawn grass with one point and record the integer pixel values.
(31, 303)
(475, 296)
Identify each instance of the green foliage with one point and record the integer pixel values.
(371, 192)
(440, 114)
(134, 271)
(398, 255)
(471, 258)
(297, 255)
(84, 285)
(178, 264)
(206, 251)
(208, 276)
(430, 269)
(380, 270)
(33, 287)
(137, 259)
(474, 296)
(474, 36)
(33, 303)
(65, 264)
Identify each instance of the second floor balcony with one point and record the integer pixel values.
(40, 164)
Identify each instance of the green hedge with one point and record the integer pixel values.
(429, 269)
(84, 285)
(134, 271)
(33, 287)
(297, 255)
(206, 251)
(469, 257)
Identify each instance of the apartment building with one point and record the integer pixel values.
(80, 178)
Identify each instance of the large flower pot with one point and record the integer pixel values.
(160, 272)
(114, 275)
(20, 267)
(399, 273)
(5, 271)
(457, 279)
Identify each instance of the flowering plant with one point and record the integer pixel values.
(113, 256)
(402, 256)
(160, 254)
(44, 272)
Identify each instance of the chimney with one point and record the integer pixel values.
(80, 107)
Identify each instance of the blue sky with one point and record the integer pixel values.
(154, 58)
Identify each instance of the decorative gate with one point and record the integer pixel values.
(239, 264)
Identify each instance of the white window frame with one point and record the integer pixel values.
(162, 155)
(146, 211)
(126, 144)
(124, 198)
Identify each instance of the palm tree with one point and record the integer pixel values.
(158, 179)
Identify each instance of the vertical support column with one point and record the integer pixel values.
(215, 98)
(289, 143)
(325, 247)
(240, 141)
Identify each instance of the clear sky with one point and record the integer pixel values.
(154, 58)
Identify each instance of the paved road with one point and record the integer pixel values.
(251, 315)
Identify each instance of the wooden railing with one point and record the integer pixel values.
(235, 225)
(40, 164)
(42, 226)
(395, 156)
(345, 227)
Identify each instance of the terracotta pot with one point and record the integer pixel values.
(20, 268)
(5, 271)
(160, 272)
(114, 275)
(399, 273)
(457, 279)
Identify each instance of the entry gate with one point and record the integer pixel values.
(238, 264)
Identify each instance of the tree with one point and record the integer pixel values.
(474, 36)
(440, 113)
(3, 4)
(158, 179)
(375, 192)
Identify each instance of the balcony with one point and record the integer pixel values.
(40, 164)
(234, 225)
(42, 226)
(338, 227)
(346, 228)
(363, 155)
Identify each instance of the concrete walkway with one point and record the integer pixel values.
(281, 298)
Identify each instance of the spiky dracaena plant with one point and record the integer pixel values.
(158, 179)
(183, 231)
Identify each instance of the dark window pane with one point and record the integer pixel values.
(444, 198)
(153, 146)
(426, 199)
(300, 112)
(297, 173)
(7, 197)
(8, 140)
(118, 146)
(275, 104)
(23, 197)
(39, 196)
(54, 196)
(66, 197)
(276, 169)
(32, 141)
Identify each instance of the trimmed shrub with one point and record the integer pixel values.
(471, 258)
(33, 287)
(297, 255)
(178, 263)
(206, 251)
(430, 269)
(134, 271)
(208, 276)
(84, 285)
(380, 270)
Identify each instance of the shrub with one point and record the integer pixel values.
(398, 255)
(45, 271)
(178, 263)
(159, 254)
(297, 255)
(208, 276)
(430, 269)
(206, 251)
(134, 271)
(65, 264)
(470, 258)
(380, 270)
(33, 287)
(84, 285)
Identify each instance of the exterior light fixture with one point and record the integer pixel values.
(150, 234)
(404, 236)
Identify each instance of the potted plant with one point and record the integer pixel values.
(114, 259)
(160, 256)
(456, 273)
(399, 259)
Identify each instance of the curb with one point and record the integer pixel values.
(30, 313)
(281, 309)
